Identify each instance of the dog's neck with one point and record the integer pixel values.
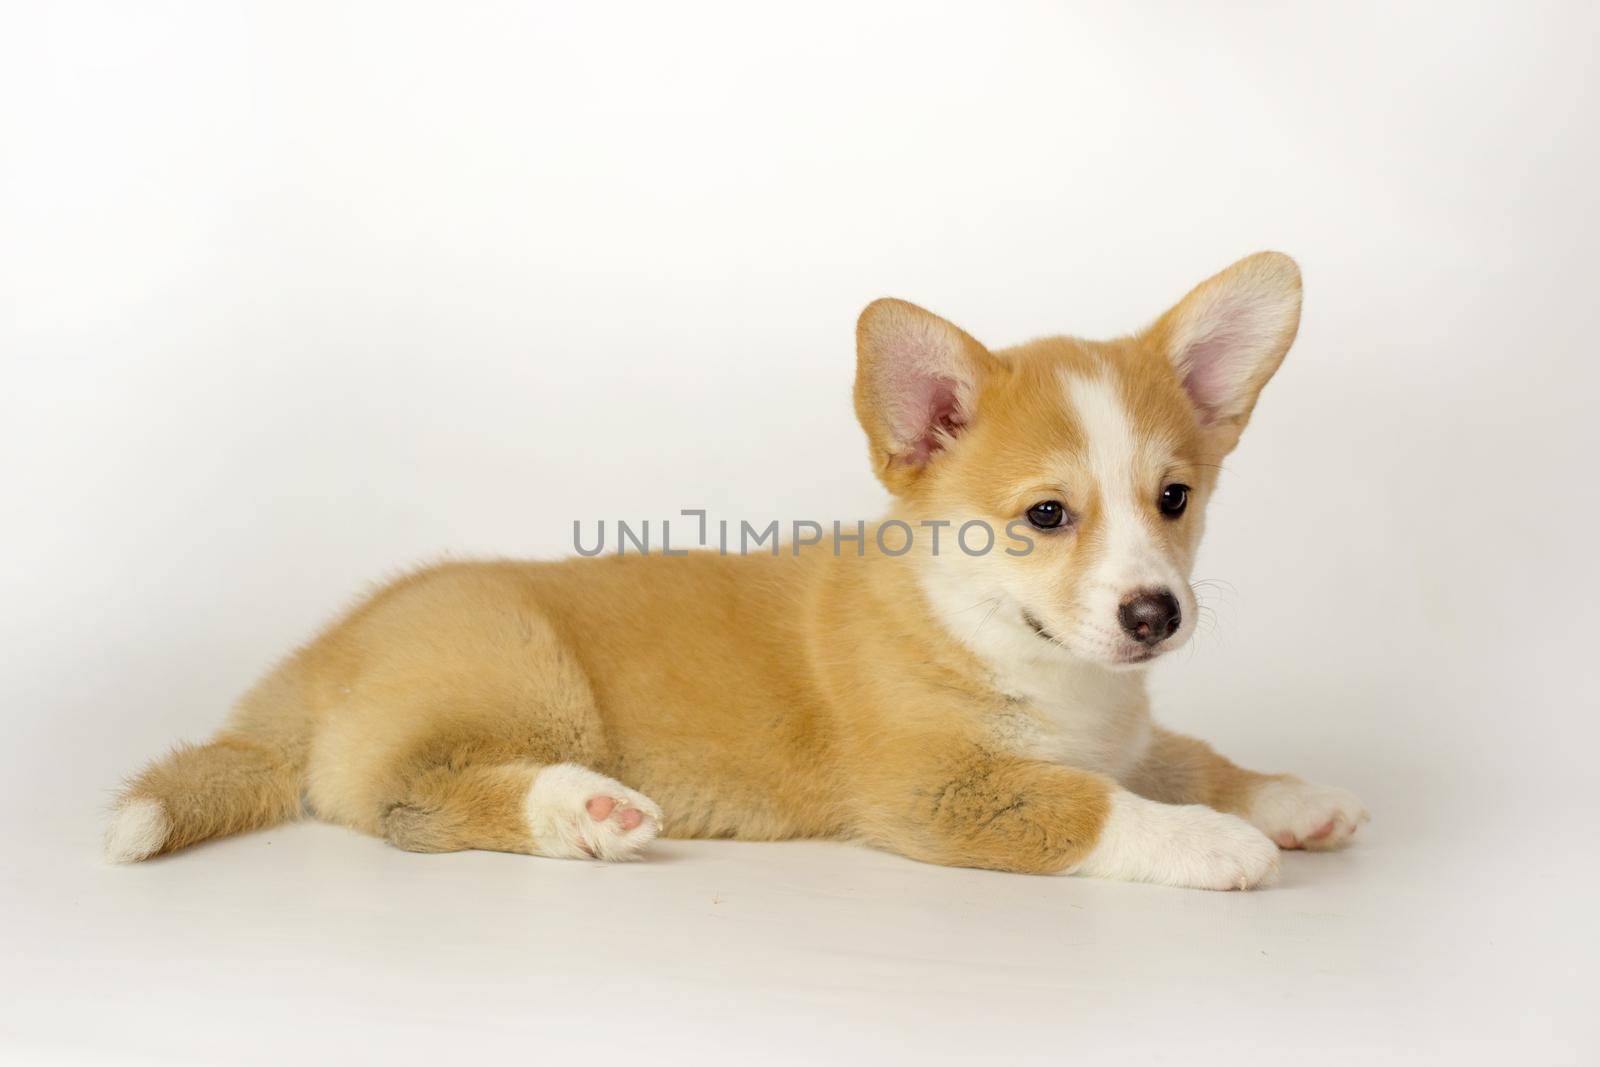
(1078, 712)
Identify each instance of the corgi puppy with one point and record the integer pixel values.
(954, 703)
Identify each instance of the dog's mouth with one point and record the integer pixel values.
(1038, 627)
(1132, 658)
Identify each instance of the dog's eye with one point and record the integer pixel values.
(1047, 514)
(1174, 498)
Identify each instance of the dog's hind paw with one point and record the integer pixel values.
(575, 813)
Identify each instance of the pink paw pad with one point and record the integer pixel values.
(602, 808)
(1287, 839)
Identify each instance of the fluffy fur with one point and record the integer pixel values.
(980, 710)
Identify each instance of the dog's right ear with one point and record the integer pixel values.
(917, 383)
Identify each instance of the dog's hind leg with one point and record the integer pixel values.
(563, 810)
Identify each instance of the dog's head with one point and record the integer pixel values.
(1091, 461)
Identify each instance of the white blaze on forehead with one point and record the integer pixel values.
(1107, 432)
(1120, 462)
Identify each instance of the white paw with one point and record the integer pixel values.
(575, 813)
(1190, 846)
(137, 831)
(1298, 814)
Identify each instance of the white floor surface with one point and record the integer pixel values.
(311, 944)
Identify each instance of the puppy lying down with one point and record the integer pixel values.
(974, 699)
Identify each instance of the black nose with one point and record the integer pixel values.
(1151, 617)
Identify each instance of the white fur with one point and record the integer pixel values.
(1070, 710)
(1289, 811)
(1091, 718)
(138, 830)
(1127, 470)
(1190, 846)
(558, 815)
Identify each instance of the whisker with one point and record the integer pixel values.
(986, 618)
(979, 604)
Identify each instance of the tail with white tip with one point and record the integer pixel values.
(231, 784)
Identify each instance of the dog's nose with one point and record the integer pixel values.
(1150, 617)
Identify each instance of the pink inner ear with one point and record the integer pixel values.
(931, 415)
(1207, 378)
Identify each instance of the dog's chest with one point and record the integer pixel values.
(1092, 719)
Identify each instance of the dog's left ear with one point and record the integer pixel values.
(1228, 336)
(917, 384)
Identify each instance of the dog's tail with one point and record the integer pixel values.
(247, 777)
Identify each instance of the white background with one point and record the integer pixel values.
(293, 296)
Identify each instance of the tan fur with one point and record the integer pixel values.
(752, 697)
(1184, 770)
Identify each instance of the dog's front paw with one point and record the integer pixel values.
(1190, 846)
(1298, 814)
